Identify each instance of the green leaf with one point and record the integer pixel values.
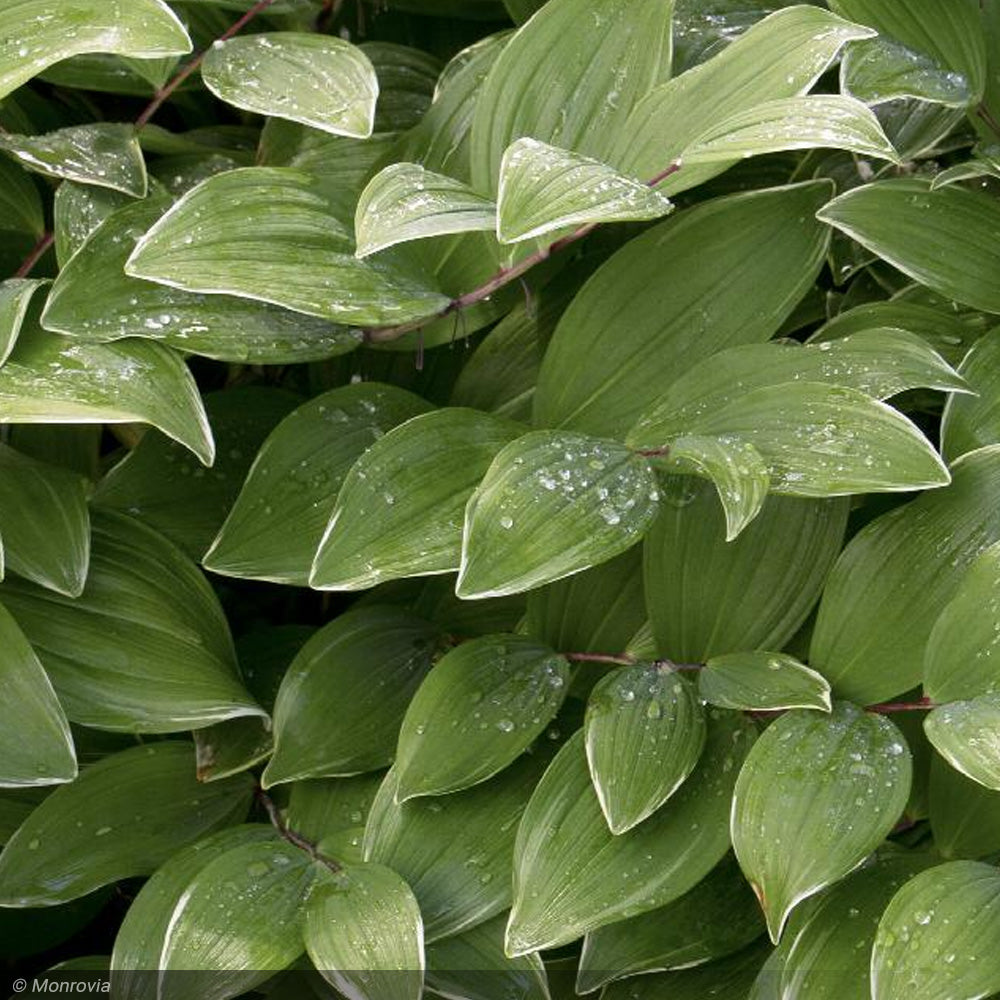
(44, 523)
(817, 794)
(779, 57)
(569, 77)
(20, 202)
(761, 681)
(303, 255)
(945, 912)
(455, 851)
(86, 834)
(479, 709)
(36, 747)
(644, 733)
(924, 49)
(102, 154)
(943, 238)
(344, 696)
(818, 440)
(717, 917)
(972, 420)
(737, 469)
(544, 189)
(964, 816)
(364, 933)
(52, 380)
(36, 34)
(15, 297)
(327, 806)
(162, 485)
(890, 585)
(78, 209)
(238, 920)
(572, 874)
(965, 734)
(723, 273)
(139, 942)
(552, 504)
(399, 510)
(473, 966)
(823, 120)
(405, 202)
(318, 80)
(94, 300)
(277, 523)
(707, 596)
(146, 646)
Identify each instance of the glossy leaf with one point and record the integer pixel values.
(723, 273)
(965, 734)
(894, 579)
(569, 873)
(15, 297)
(36, 34)
(481, 707)
(276, 525)
(94, 300)
(817, 795)
(53, 380)
(325, 806)
(36, 747)
(44, 522)
(551, 504)
(399, 511)
(544, 189)
(303, 255)
(145, 647)
(102, 154)
(86, 834)
(319, 80)
(644, 733)
(944, 914)
(972, 420)
(345, 694)
(78, 209)
(405, 202)
(762, 682)
(942, 238)
(364, 933)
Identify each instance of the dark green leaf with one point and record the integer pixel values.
(326, 806)
(965, 816)
(15, 297)
(21, 204)
(972, 420)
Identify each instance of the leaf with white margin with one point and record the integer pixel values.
(967, 735)
(102, 154)
(318, 80)
(53, 380)
(38, 33)
(762, 681)
(405, 202)
(816, 795)
(15, 297)
(544, 189)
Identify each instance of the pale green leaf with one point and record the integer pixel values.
(937, 937)
(36, 747)
(145, 647)
(965, 733)
(552, 504)
(86, 834)
(405, 202)
(544, 189)
(102, 154)
(964, 816)
(303, 256)
(364, 933)
(344, 696)
(944, 238)
(817, 794)
(318, 80)
(277, 523)
(761, 681)
(38, 33)
(572, 875)
(52, 380)
(480, 707)
(78, 209)
(399, 510)
(15, 297)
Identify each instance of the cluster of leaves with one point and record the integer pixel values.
(675, 638)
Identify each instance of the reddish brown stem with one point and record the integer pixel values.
(36, 254)
(622, 659)
(888, 707)
(168, 88)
